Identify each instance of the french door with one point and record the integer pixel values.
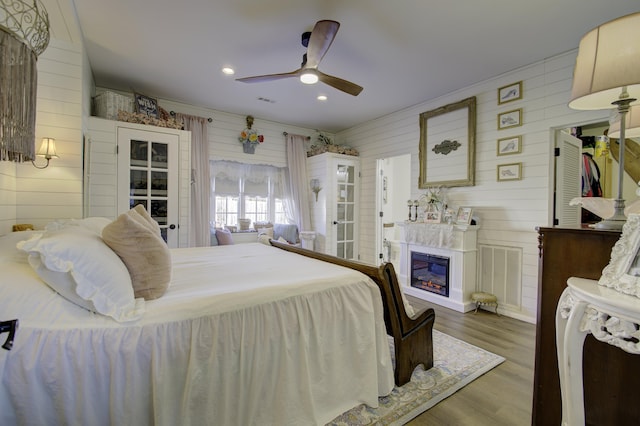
(148, 175)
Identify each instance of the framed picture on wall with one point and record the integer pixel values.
(510, 119)
(510, 145)
(510, 93)
(509, 171)
(447, 145)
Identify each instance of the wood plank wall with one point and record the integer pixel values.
(509, 212)
(29, 195)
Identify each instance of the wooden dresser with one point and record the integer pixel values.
(610, 374)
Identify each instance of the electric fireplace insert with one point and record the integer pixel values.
(430, 273)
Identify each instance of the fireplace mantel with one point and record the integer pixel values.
(456, 242)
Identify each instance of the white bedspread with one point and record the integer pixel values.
(246, 335)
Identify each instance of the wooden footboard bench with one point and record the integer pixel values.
(412, 337)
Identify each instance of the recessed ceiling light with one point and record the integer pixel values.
(322, 97)
(228, 71)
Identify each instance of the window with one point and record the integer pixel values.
(246, 191)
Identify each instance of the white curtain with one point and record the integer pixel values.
(200, 180)
(297, 184)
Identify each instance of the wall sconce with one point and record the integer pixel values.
(47, 150)
(315, 187)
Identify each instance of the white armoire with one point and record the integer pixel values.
(126, 164)
(334, 213)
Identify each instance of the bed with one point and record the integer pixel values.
(244, 334)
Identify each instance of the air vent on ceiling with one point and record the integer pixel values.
(271, 101)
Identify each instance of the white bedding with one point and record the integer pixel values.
(246, 334)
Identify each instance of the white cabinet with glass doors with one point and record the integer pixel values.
(335, 213)
(151, 166)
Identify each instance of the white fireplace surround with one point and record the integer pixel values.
(456, 242)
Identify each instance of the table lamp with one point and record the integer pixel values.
(607, 75)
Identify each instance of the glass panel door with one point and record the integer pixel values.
(345, 210)
(150, 178)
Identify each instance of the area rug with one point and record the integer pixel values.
(455, 365)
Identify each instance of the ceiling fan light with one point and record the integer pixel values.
(309, 77)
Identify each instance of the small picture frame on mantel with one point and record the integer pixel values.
(464, 216)
(432, 217)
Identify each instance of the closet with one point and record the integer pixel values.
(127, 164)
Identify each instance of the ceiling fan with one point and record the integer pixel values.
(317, 43)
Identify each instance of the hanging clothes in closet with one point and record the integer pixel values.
(590, 185)
(590, 177)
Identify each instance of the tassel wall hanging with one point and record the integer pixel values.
(24, 35)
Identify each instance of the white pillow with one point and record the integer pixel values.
(264, 239)
(265, 231)
(77, 264)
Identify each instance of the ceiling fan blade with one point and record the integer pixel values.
(269, 77)
(340, 84)
(321, 38)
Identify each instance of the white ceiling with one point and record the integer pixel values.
(402, 52)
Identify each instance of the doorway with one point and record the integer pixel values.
(393, 189)
(568, 174)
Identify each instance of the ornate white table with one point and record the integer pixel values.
(586, 307)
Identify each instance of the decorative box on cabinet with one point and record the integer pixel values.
(610, 384)
(126, 164)
(334, 214)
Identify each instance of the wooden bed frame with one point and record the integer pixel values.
(412, 337)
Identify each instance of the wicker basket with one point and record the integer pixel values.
(244, 224)
(107, 104)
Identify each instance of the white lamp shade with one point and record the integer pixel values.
(632, 125)
(47, 148)
(608, 60)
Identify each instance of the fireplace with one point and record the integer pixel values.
(438, 263)
(430, 273)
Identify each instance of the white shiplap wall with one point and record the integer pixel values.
(509, 212)
(225, 128)
(7, 196)
(55, 192)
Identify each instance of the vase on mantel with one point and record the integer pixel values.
(249, 148)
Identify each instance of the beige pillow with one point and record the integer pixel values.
(135, 237)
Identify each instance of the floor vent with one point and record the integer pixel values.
(500, 273)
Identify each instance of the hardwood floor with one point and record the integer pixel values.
(503, 396)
